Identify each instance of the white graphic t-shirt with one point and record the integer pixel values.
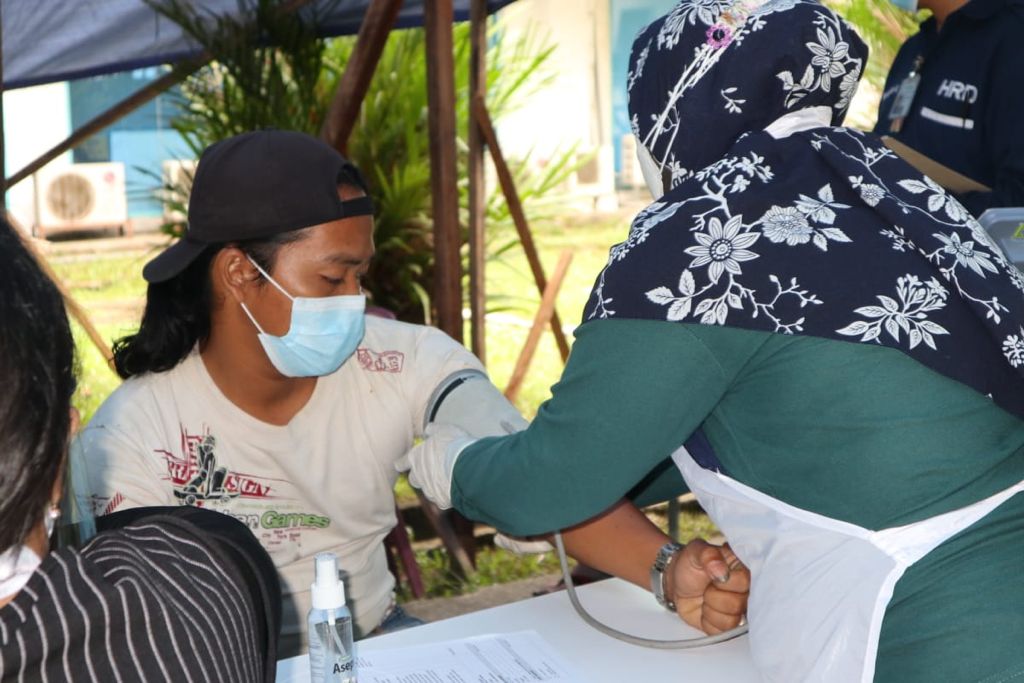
(324, 482)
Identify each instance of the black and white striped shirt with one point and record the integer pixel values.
(159, 600)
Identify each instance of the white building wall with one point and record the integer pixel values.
(575, 108)
(35, 119)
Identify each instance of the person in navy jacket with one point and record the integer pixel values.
(956, 93)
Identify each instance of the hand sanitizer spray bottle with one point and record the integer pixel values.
(331, 656)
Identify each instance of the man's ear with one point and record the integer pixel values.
(234, 273)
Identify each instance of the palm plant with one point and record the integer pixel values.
(884, 28)
(269, 69)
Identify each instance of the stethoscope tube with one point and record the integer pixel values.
(683, 644)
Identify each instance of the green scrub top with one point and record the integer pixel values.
(855, 432)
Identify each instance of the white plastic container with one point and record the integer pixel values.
(1006, 228)
(331, 654)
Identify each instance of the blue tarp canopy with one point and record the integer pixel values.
(58, 40)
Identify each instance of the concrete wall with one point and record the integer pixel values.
(576, 106)
(628, 17)
(35, 120)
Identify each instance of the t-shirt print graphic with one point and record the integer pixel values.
(197, 477)
(380, 361)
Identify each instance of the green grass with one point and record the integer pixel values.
(511, 291)
(111, 290)
(102, 279)
(493, 566)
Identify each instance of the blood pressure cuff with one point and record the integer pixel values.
(468, 400)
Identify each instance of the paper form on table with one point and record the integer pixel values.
(520, 657)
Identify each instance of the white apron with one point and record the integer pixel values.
(819, 586)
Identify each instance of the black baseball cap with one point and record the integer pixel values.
(256, 185)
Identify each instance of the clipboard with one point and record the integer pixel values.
(951, 180)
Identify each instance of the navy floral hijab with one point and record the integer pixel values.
(819, 230)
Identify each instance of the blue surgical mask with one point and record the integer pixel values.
(323, 333)
(908, 5)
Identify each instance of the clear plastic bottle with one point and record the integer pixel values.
(331, 654)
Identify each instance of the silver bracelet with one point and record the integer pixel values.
(661, 563)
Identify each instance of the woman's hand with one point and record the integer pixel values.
(709, 586)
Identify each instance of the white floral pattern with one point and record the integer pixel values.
(723, 247)
(1016, 277)
(938, 198)
(848, 87)
(965, 253)
(646, 220)
(870, 193)
(909, 314)
(786, 225)
(809, 220)
(733, 105)
(638, 70)
(899, 238)
(1013, 349)
(951, 253)
(857, 245)
(726, 24)
(772, 6)
(689, 12)
(821, 208)
(832, 60)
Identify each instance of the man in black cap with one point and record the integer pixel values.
(955, 94)
(257, 386)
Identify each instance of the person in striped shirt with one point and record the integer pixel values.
(161, 594)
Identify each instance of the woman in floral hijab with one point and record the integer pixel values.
(837, 342)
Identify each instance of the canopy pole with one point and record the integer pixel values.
(477, 189)
(438, 18)
(437, 22)
(541, 320)
(362, 65)
(126, 106)
(114, 113)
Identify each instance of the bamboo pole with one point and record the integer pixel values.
(508, 186)
(114, 113)
(437, 21)
(126, 106)
(543, 318)
(355, 80)
(91, 127)
(446, 525)
(477, 190)
(406, 556)
(438, 18)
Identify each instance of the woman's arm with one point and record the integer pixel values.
(632, 393)
(707, 583)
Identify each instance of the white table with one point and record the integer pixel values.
(599, 658)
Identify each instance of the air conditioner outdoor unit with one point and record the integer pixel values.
(81, 196)
(177, 186)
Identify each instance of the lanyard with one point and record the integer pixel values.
(905, 96)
